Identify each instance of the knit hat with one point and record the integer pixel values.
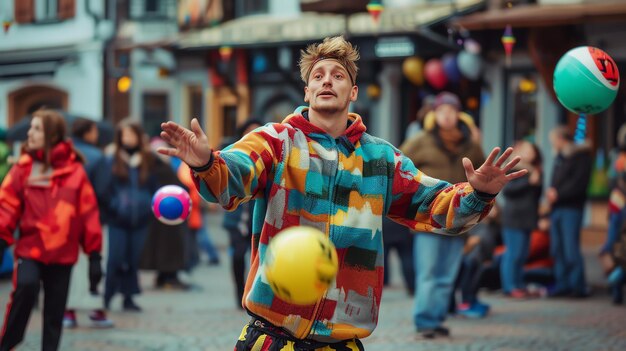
(447, 98)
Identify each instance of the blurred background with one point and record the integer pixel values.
(225, 61)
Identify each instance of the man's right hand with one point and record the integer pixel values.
(190, 146)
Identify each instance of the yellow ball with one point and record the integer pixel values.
(300, 264)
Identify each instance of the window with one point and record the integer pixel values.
(150, 9)
(155, 112)
(195, 103)
(230, 121)
(45, 10)
(251, 7)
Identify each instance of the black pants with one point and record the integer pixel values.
(239, 245)
(405, 252)
(27, 278)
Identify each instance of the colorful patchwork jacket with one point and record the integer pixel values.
(300, 175)
(56, 211)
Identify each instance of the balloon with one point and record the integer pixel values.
(472, 46)
(470, 65)
(586, 80)
(413, 69)
(451, 68)
(434, 74)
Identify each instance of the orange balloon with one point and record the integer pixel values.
(413, 69)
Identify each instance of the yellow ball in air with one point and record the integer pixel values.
(300, 264)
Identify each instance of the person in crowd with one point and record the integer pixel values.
(320, 168)
(438, 152)
(128, 211)
(417, 124)
(6, 260)
(397, 237)
(520, 215)
(48, 196)
(85, 138)
(567, 196)
(617, 213)
(164, 249)
(477, 253)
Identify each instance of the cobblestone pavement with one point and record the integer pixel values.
(206, 319)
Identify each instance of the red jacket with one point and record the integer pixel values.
(55, 210)
(195, 216)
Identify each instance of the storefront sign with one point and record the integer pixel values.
(394, 47)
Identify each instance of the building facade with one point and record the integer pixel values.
(51, 55)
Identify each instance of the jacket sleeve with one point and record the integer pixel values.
(11, 203)
(91, 235)
(427, 204)
(239, 172)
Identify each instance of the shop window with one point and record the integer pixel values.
(521, 107)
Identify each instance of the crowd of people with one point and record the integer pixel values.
(64, 193)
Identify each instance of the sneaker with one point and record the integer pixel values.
(99, 319)
(131, 306)
(69, 319)
(426, 334)
(442, 331)
(616, 276)
(519, 294)
(474, 310)
(483, 306)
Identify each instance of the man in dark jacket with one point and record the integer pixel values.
(567, 195)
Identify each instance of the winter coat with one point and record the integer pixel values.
(429, 156)
(128, 202)
(56, 211)
(164, 250)
(521, 207)
(299, 175)
(571, 175)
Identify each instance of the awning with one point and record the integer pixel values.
(545, 15)
(266, 29)
(409, 18)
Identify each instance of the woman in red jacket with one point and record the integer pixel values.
(48, 194)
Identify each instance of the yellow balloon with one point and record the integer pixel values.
(300, 264)
(413, 69)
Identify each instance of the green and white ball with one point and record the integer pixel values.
(586, 80)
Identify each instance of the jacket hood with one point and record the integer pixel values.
(61, 155)
(299, 120)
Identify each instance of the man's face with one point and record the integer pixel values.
(446, 116)
(329, 89)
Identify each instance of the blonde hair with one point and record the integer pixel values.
(335, 48)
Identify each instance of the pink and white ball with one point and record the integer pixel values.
(171, 204)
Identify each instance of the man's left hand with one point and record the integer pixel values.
(491, 177)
